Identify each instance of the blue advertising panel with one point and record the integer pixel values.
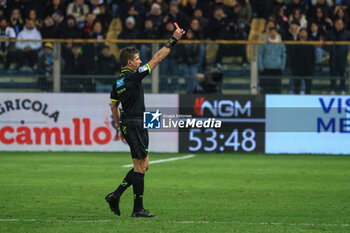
(307, 124)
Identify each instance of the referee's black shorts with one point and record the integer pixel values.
(136, 137)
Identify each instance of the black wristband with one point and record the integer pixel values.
(171, 43)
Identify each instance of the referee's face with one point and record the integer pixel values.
(136, 62)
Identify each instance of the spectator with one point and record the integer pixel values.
(231, 32)
(323, 5)
(28, 50)
(33, 16)
(271, 8)
(207, 84)
(129, 32)
(164, 5)
(338, 55)
(53, 6)
(97, 31)
(38, 5)
(3, 6)
(147, 33)
(243, 12)
(71, 30)
(98, 8)
(16, 21)
(2, 13)
(198, 35)
(340, 14)
(58, 19)
(298, 16)
(78, 10)
(291, 35)
(203, 22)
(296, 4)
(75, 61)
(45, 67)
(199, 87)
(281, 19)
(302, 64)
(155, 14)
(6, 32)
(195, 27)
(270, 24)
(76, 65)
(139, 19)
(220, 3)
(88, 26)
(92, 50)
(124, 9)
(48, 29)
(191, 6)
(259, 8)
(189, 58)
(113, 6)
(175, 15)
(107, 65)
(316, 35)
(271, 62)
(323, 21)
(17, 4)
(216, 24)
(293, 31)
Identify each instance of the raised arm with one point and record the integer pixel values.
(165, 50)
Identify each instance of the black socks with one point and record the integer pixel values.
(125, 184)
(138, 186)
(137, 180)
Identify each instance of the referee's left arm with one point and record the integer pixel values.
(116, 112)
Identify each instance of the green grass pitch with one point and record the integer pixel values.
(64, 192)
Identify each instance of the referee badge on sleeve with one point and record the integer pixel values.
(143, 68)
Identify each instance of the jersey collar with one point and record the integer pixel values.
(127, 70)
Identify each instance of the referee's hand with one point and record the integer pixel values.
(122, 138)
(178, 33)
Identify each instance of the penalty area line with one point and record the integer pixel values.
(165, 160)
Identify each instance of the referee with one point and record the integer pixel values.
(128, 91)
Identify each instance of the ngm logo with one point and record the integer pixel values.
(222, 108)
(152, 120)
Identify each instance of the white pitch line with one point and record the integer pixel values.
(183, 222)
(164, 160)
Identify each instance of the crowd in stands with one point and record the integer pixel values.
(298, 20)
(315, 20)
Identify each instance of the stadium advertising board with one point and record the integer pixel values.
(242, 128)
(307, 124)
(71, 122)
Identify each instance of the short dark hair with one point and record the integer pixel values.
(295, 22)
(127, 54)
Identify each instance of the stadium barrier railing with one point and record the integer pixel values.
(238, 79)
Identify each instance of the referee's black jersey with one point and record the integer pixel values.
(129, 91)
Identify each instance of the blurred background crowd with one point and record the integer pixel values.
(284, 20)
